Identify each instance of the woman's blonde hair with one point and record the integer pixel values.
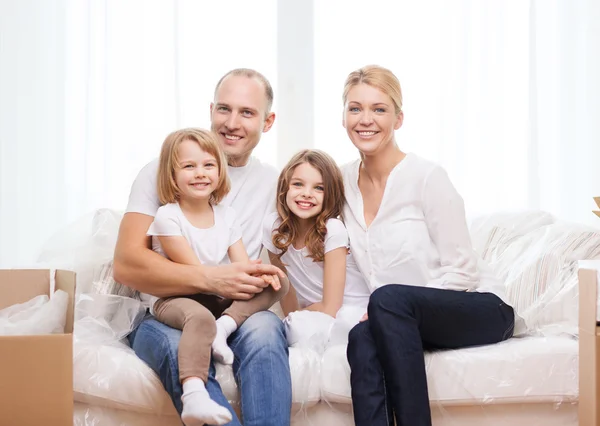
(168, 192)
(333, 202)
(379, 77)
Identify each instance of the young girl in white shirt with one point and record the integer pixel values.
(307, 238)
(192, 228)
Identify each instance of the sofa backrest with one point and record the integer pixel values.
(536, 257)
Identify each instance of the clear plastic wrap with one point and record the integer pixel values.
(85, 246)
(536, 257)
(40, 315)
(107, 373)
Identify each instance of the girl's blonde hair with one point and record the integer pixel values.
(168, 192)
(333, 202)
(379, 77)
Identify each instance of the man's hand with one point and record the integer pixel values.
(241, 280)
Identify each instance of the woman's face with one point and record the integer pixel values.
(370, 118)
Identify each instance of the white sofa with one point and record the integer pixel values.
(529, 380)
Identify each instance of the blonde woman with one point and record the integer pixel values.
(407, 228)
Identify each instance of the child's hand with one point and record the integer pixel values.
(272, 280)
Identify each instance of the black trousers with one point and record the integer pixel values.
(386, 351)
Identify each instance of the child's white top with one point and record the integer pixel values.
(306, 275)
(419, 236)
(209, 244)
(252, 195)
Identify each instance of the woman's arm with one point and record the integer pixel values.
(289, 302)
(334, 282)
(444, 212)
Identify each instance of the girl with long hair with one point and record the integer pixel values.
(307, 238)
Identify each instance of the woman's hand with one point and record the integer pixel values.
(364, 317)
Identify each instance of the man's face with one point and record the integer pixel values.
(239, 117)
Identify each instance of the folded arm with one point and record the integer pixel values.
(137, 266)
(447, 225)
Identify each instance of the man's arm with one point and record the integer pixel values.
(137, 266)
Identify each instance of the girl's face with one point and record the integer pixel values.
(370, 118)
(197, 174)
(305, 193)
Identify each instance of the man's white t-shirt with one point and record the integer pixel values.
(209, 244)
(306, 275)
(419, 235)
(252, 196)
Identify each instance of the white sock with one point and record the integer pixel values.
(198, 408)
(220, 349)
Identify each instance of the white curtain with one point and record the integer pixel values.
(89, 90)
(504, 94)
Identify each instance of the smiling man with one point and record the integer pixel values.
(240, 114)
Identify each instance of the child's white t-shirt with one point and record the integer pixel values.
(209, 244)
(252, 195)
(306, 275)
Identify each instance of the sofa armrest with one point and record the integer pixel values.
(589, 348)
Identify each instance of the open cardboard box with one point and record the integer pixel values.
(36, 372)
(589, 344)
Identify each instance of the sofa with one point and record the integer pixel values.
(531, 379)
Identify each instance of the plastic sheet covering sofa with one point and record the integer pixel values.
(530, 380)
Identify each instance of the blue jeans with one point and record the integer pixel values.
(386, 352)
(261, 367)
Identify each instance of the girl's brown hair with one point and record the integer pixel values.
(168, 192)
(333, 202)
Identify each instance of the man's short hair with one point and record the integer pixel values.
(250, 73)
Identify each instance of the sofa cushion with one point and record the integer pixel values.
(113, 376)
(88, 415)
(530, 369)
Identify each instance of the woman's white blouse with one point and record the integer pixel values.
(419, 235)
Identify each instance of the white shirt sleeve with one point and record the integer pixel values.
(166, 223)
(235, 231)
(143, 197)
(444, 212)
(270, 223)
(337, 235)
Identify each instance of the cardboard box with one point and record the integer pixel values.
(36, 372)
(589, 349)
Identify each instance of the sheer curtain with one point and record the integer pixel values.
(99, 84)
(504, 94)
